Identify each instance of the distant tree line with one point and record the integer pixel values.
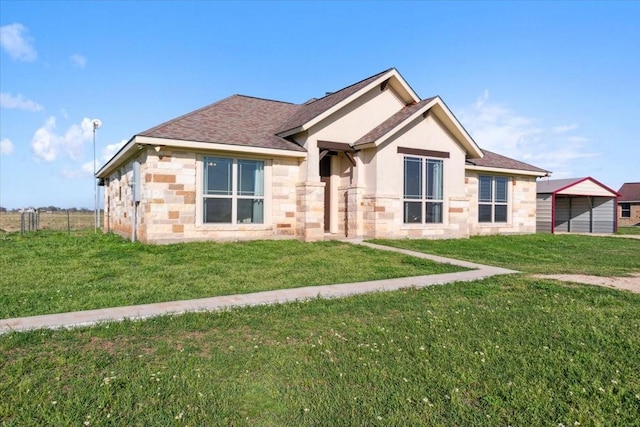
(46, 209)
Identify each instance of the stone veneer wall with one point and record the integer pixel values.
(522, 204)
(634, 219)
(118, 200)
(176, 219)
(168, 199)
(350, 211)
(167, 209)
(310, 211)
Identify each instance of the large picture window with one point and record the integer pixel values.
(233, 191)
(493, 200)
(423, 197)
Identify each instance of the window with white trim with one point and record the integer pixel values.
(625, 210)
(233, 191)
(423, 190)
(493, 199)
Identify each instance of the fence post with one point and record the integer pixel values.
(68, 223)
(22, 223)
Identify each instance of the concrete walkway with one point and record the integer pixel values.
(92, 317)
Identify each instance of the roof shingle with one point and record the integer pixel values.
(629, 192)
(237, 120)
(494, 160)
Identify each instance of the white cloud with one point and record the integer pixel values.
(498, 128)
(19, 102)
(86, 169)
(14, 40)
(78, 60)
(47, 144)
(6, 146)
(110, 150)
(564, 128)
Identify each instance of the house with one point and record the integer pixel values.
(371, 160)
(629, 204)
(575, 205)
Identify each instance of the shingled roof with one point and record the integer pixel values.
(237, 120)
(629, 192)
(494, 160)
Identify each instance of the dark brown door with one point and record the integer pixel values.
(325, 176)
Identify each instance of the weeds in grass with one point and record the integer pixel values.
(503, 351)
(52, 272)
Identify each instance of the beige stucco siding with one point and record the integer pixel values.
(425, 134)
(384, 183)
(356, 119)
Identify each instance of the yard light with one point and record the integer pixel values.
(96, 125)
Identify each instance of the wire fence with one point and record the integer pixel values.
(27, 220)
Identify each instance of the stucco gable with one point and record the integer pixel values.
(314, 111)
(402, 118)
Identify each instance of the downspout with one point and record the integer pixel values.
(590, 198)
(615, 215)
(553, 213)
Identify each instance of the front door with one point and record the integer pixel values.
(325, 176)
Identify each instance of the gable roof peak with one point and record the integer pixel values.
(313, 111)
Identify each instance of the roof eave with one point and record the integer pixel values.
(508, 171)
(124, 153)
(140, 141)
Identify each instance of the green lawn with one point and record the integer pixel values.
(503, 351)
(538, 253)
(48, 272)
(629, 230)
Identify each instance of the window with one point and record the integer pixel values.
(625, 210)
(422, 190)
(493, 199)
(233, 191)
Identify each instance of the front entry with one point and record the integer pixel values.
(325, 176)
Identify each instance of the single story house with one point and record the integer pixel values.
(575, 205)
(370, 160)
(629, 204)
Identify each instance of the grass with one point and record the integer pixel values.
(538, 253)
(503, 351)
(47, 272)
(631, 230)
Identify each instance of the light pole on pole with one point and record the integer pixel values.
(96, 125)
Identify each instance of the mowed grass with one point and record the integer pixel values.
(503, 351)
(631, 230)
(538, 253)
(47, 272)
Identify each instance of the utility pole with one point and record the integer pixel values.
(96, 217)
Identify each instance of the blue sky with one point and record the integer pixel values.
(555, 84)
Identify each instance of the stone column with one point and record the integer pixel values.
(310, 211)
